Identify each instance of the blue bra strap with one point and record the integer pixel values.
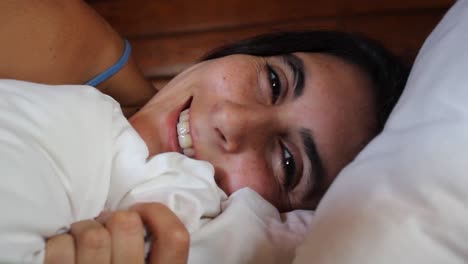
(114, 68)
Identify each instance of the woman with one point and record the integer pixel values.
(281, 114)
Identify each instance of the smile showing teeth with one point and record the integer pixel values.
(183, 132)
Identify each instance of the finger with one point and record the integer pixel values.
(127, 237)
(170, 237)
(92, 241)
(60, 249)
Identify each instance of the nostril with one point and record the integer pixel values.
(221, 135)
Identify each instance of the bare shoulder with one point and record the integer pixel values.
(66, 42)
(54, 41)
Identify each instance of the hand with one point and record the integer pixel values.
(117, 237)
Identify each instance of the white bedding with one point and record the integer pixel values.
(67, 153)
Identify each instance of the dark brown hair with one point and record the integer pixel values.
(387, 73)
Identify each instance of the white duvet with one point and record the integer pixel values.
(67, 153)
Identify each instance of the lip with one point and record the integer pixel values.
(172, 120)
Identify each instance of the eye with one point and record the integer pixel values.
(289, 167)
(275, 84)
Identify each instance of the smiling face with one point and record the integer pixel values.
(283, 126)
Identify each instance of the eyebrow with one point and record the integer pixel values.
(317, 169)
(297, 66)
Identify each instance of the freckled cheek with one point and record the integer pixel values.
(232, 85)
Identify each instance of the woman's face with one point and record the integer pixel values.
(283, 126)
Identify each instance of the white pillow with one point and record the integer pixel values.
(405, 197)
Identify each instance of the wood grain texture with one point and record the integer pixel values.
(402, 33)
(379, 6)
(170, 35)
(167, 56)
(155, 17)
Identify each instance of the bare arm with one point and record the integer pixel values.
(65, 42)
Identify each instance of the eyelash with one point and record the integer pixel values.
(287, 159)
(275, 84)
(289, 167)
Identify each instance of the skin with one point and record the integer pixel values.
(236, 126)
(66, 42)
(117, 237)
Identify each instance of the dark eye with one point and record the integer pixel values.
(275, 84)
(289, 167)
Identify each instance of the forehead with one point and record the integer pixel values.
(337, 106)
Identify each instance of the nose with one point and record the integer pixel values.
(241, 125)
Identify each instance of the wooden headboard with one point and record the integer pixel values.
(170, 35)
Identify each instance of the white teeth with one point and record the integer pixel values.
(185, 112)
(183, 128)
(183, 132)
(184, 116)
(189, 152)
(185, 141)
